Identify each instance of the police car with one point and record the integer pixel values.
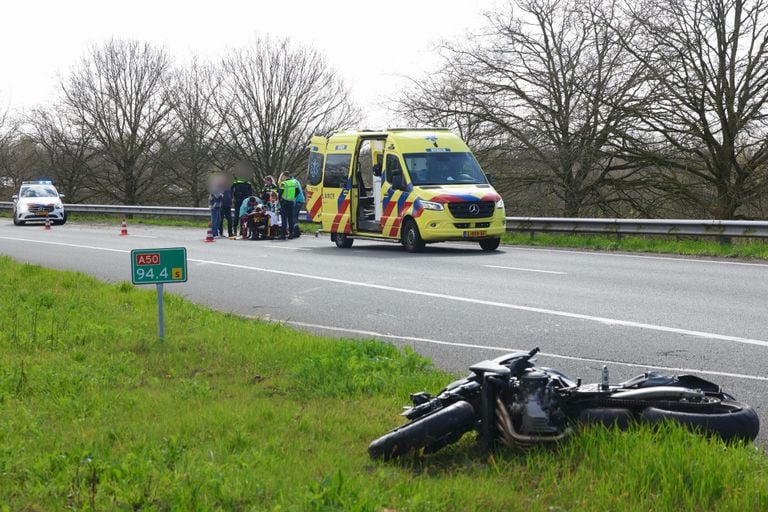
(37, 200)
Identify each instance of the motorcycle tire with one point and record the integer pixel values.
(729, 419)
(430, 432)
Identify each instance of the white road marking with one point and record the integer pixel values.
(482, 302)
(77, 246)
(143, 236)
(508, 349)
(525, 269)
(455, 298)
(284, 247)
(642, 256)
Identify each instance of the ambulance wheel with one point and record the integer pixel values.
(343, 241)
(490, 244)
(411, 237)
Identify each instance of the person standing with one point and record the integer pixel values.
(297, 206)
(214, 203)
(287, 190)
(269, 187)
(226, 210)
(273, 206)
(241, 190)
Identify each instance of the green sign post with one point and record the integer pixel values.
(159, 266)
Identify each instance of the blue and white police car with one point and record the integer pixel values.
(36, 201)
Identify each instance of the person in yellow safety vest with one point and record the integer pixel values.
(288, 191)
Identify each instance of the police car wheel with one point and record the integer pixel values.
(16, 221)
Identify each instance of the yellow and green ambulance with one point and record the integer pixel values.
(413, 186)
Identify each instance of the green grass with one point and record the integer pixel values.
(740, 248)
(235, 414)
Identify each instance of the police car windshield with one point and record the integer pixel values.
(39, 191)
(444, 168)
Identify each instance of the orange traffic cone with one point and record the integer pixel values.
(47, 223)
(209, 235)
(124, 228)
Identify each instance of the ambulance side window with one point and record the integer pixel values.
(336, 170)
(315, 171)
(393, 163)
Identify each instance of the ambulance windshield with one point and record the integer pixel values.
(444, 168)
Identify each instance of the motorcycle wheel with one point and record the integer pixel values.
(430, 432)
(729, 419)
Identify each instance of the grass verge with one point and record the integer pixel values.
(236, 414)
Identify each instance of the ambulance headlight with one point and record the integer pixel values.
(500, 203)
(431, 205)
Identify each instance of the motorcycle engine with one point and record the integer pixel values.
(536, 412)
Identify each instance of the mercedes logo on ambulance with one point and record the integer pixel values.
(474, 209)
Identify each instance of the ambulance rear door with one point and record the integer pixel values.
(314, 187)
(337, 184)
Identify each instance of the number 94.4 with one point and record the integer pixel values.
(150, 273)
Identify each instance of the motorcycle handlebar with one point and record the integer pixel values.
(533, 352)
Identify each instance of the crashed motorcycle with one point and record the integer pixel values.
(510, 401)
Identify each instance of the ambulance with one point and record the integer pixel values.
(412, 186)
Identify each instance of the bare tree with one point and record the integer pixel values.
(67, 147)
(11, 172)
(708, 60)
(196, 127)
(437, 101)
(19, 161)
(118, 93)
(561, 89)
(8, 126)
(274, 96)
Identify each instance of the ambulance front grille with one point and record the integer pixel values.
(469, 210)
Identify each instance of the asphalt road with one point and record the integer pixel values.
(458, 304)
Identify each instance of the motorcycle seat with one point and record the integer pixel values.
(488, 366)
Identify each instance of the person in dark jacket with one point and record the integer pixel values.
(214, 203)
(241, 190)
(226, 210)
(297, 206)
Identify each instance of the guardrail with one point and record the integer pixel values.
(617, 227)
(178, 211)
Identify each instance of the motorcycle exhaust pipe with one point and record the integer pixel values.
(512, 437)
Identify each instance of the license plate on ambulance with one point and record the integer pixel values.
(475, 234)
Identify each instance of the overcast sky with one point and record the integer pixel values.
(370, 43)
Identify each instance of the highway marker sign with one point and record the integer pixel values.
(153, 266)
(159, 266)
